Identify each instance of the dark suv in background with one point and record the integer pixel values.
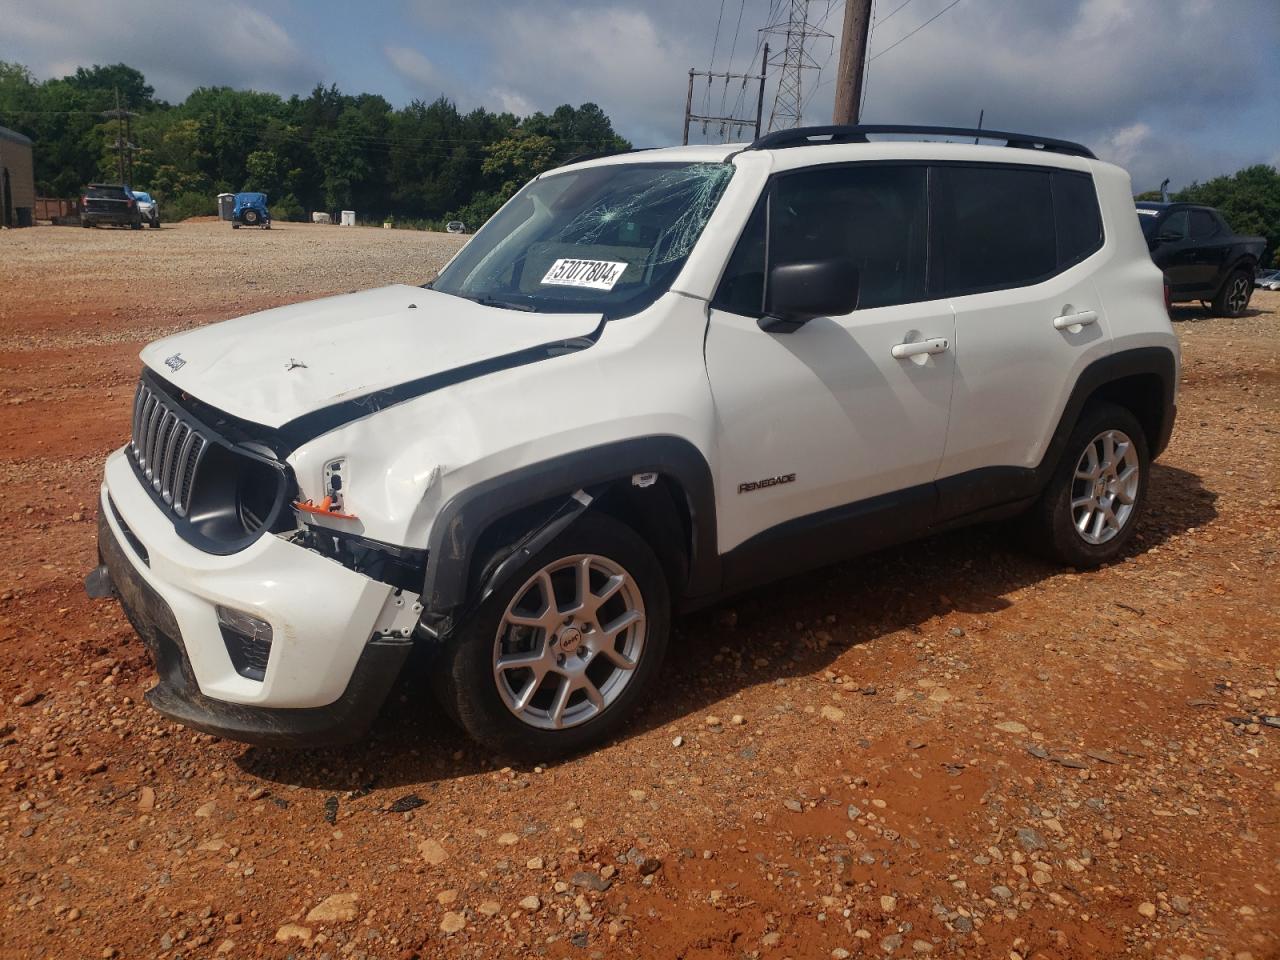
(1201, 257)
(109, 203)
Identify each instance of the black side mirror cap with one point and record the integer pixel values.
(804, 290)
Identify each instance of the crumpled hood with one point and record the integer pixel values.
(275, 366)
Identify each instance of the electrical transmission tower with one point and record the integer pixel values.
(793, 60)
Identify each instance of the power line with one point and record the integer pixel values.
(896, 9)
(915, 31)
(711, 65)
(732, 50)
(866, 75)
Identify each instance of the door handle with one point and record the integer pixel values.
(1081, 319)
(904, 351)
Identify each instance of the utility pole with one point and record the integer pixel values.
(727, 123)
(853, 60)
(797, 32)
(124, 148)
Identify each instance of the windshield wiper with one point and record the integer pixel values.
(486, 300)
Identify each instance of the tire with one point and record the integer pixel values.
(155, 224)
(235, 226)
(86, 224)
(135, 225)
(472, 688)
(1054, 524)
(1233, 299)
(250, 217)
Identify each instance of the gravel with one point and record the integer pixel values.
(1157, 837)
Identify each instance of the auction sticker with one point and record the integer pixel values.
(596, 274)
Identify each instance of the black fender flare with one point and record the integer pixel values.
(458, 527)
(961, 497)
(1136, 361)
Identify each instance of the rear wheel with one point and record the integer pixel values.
(250, 217)
(1089, 511)
(1233, 299)
(558, 657)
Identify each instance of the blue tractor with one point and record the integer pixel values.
(250, 210)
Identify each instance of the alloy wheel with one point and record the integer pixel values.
(1238, 297)
(569, 642)
(1104, 490)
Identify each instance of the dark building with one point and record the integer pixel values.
(17, 180)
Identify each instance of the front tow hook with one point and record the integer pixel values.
(98, 583)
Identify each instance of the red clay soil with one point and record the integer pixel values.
(947, 749)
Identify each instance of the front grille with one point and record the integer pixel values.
(167, 448)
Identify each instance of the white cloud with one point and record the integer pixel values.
(416, 69)
(177, 46)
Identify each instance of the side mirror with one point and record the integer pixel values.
(799, 292)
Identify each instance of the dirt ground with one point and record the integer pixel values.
(948, 749)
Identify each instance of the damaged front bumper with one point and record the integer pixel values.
(331, 660)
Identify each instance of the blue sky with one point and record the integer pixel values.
(1177, 88)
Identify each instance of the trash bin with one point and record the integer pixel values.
(226, 204)
(348, 218)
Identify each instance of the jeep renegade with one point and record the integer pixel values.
(650, 380)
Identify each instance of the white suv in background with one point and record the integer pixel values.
(652, 379)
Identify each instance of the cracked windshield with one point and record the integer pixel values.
(607, 239)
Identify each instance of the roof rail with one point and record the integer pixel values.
(813, 136)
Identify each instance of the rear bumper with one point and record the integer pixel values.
(178, 697)
(111, 216)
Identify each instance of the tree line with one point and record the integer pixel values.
(326, 151)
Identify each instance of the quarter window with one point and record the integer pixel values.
(1076, 218)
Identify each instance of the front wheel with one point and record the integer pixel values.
(1233, 299)
(1089, 511)
(559, 656)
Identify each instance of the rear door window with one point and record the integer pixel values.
(1174, 226)
(995, 228)
(1203, 225)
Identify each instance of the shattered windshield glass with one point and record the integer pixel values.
(607, 239)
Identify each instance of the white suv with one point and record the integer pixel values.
(650, 380)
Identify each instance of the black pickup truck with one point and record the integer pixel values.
(109, 203)
(1200, 256)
